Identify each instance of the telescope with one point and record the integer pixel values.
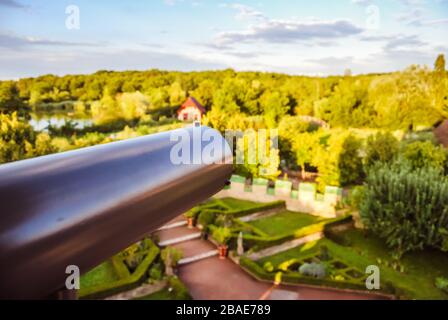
(81, 207)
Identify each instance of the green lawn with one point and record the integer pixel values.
(284, 222)
(103, 273)
(420, 268)
(413, 275)
(237, 204)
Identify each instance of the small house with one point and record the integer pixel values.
(190, 110)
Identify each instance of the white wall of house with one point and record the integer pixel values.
(189, 114)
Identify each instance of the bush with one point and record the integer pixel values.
(408, 208)
(156, 272)
(442, 284)
(268, 266)
(382, 147)
(222, 235)
(206, 217)
(171, 255)
(421, 154)
(179, 289)
(315, 270)
(131, 281)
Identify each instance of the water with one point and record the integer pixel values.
(41, 121)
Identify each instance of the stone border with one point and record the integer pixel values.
(304, 200)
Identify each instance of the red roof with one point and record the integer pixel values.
(192, 102)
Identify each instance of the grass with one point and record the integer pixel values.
(413, 276)
(175, 290)
(420, 268)
(237, 204)
(284, 222)
(102, 273)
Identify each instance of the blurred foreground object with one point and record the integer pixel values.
(83, 206)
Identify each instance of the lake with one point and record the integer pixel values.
(40, 121)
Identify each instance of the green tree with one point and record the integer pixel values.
(275, 105)
(407, 207)
(16, 138)
(439, 65)
(305, 146)
(424, 153)
(350, 161)
(381, 147)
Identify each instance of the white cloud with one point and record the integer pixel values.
(16, 42)
(287, 31)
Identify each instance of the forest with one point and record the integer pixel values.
(335, 126)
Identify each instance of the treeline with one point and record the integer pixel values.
(407, 99)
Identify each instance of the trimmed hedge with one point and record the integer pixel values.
(127, 283)
(262, 207)
(260, 273)
(119, 267)
(260, 242)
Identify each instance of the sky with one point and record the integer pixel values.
(318, 37)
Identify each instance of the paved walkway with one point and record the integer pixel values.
(216, 279)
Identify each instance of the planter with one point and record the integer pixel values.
(190, 223)
(222, 250)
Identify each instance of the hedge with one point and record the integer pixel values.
(119, 267)
(260, 242)
(262, 207)
(127, 283)
(258, 272)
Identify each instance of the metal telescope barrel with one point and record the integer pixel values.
(83, 206)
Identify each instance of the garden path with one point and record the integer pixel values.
(216, 279)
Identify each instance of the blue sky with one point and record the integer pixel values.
(318, 37)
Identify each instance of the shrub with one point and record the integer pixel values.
(315, 270)
(408, 208)
(156, 272)
(179, 289)
(442, 284)
(421, 154)
(127, 283)
(171, 255)
(382, 147)
(222, 235)
(268, 266)
(206, 217)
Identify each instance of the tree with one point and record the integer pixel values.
(424, 153)
(382, 147)
(9, 96)
(288, 129)
(407, 207)
(339, 161)
(275, 105)
(439, 65)
(256, 156)
(350, 161)
(16, 138)
(177, 94)
(305, 146)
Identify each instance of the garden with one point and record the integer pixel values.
(143, 263)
